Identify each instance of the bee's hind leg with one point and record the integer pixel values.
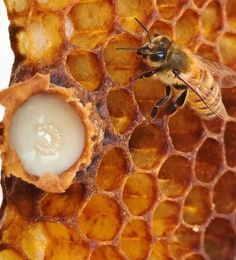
(177, 103)
(161, 102)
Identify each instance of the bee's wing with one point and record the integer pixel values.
(223, 75)
(203, 93)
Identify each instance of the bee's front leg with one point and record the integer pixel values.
(147, 74)
(161, 102)
(177, 103)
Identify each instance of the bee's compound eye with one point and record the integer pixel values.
(159, 56)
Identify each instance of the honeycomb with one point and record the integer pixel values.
(156, 189)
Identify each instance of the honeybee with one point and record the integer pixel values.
(194, 79)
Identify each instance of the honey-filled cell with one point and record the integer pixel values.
(224, 195)
(215, 125)
(231, 16)
(220, 239)
(174, 176)
(165, 218)
(135, 240)
(63, 205)
(184, 241)
(91, 30)
(186, 130)
(127, 11)
(121, 109)
(53, 5)
(199, 3)
(100, 219)
(230, 143)
(209, 160)
(106, 252)
(147, 146)
(227, 47)
(211, 20)
(139, 193)
(195, 257)
(169, 8)
(161, 250)
(10, 254)
(18, 7)
(197, 206)
(86, 69)
(147, 92)
(121, 65)
(41, 39)
(208, 52)
(160, 27)
(187, 29)
(229, 100)
(112, 170)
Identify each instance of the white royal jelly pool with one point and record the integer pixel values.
(47, 134)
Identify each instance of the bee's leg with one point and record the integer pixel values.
(176, 72)
(161, 102)
(147, 74)
(178, 102)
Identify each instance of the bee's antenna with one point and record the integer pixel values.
(127, 49)
(144, 28)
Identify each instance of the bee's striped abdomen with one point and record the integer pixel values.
(210, 94)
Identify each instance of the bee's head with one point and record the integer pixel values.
(156, 50)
